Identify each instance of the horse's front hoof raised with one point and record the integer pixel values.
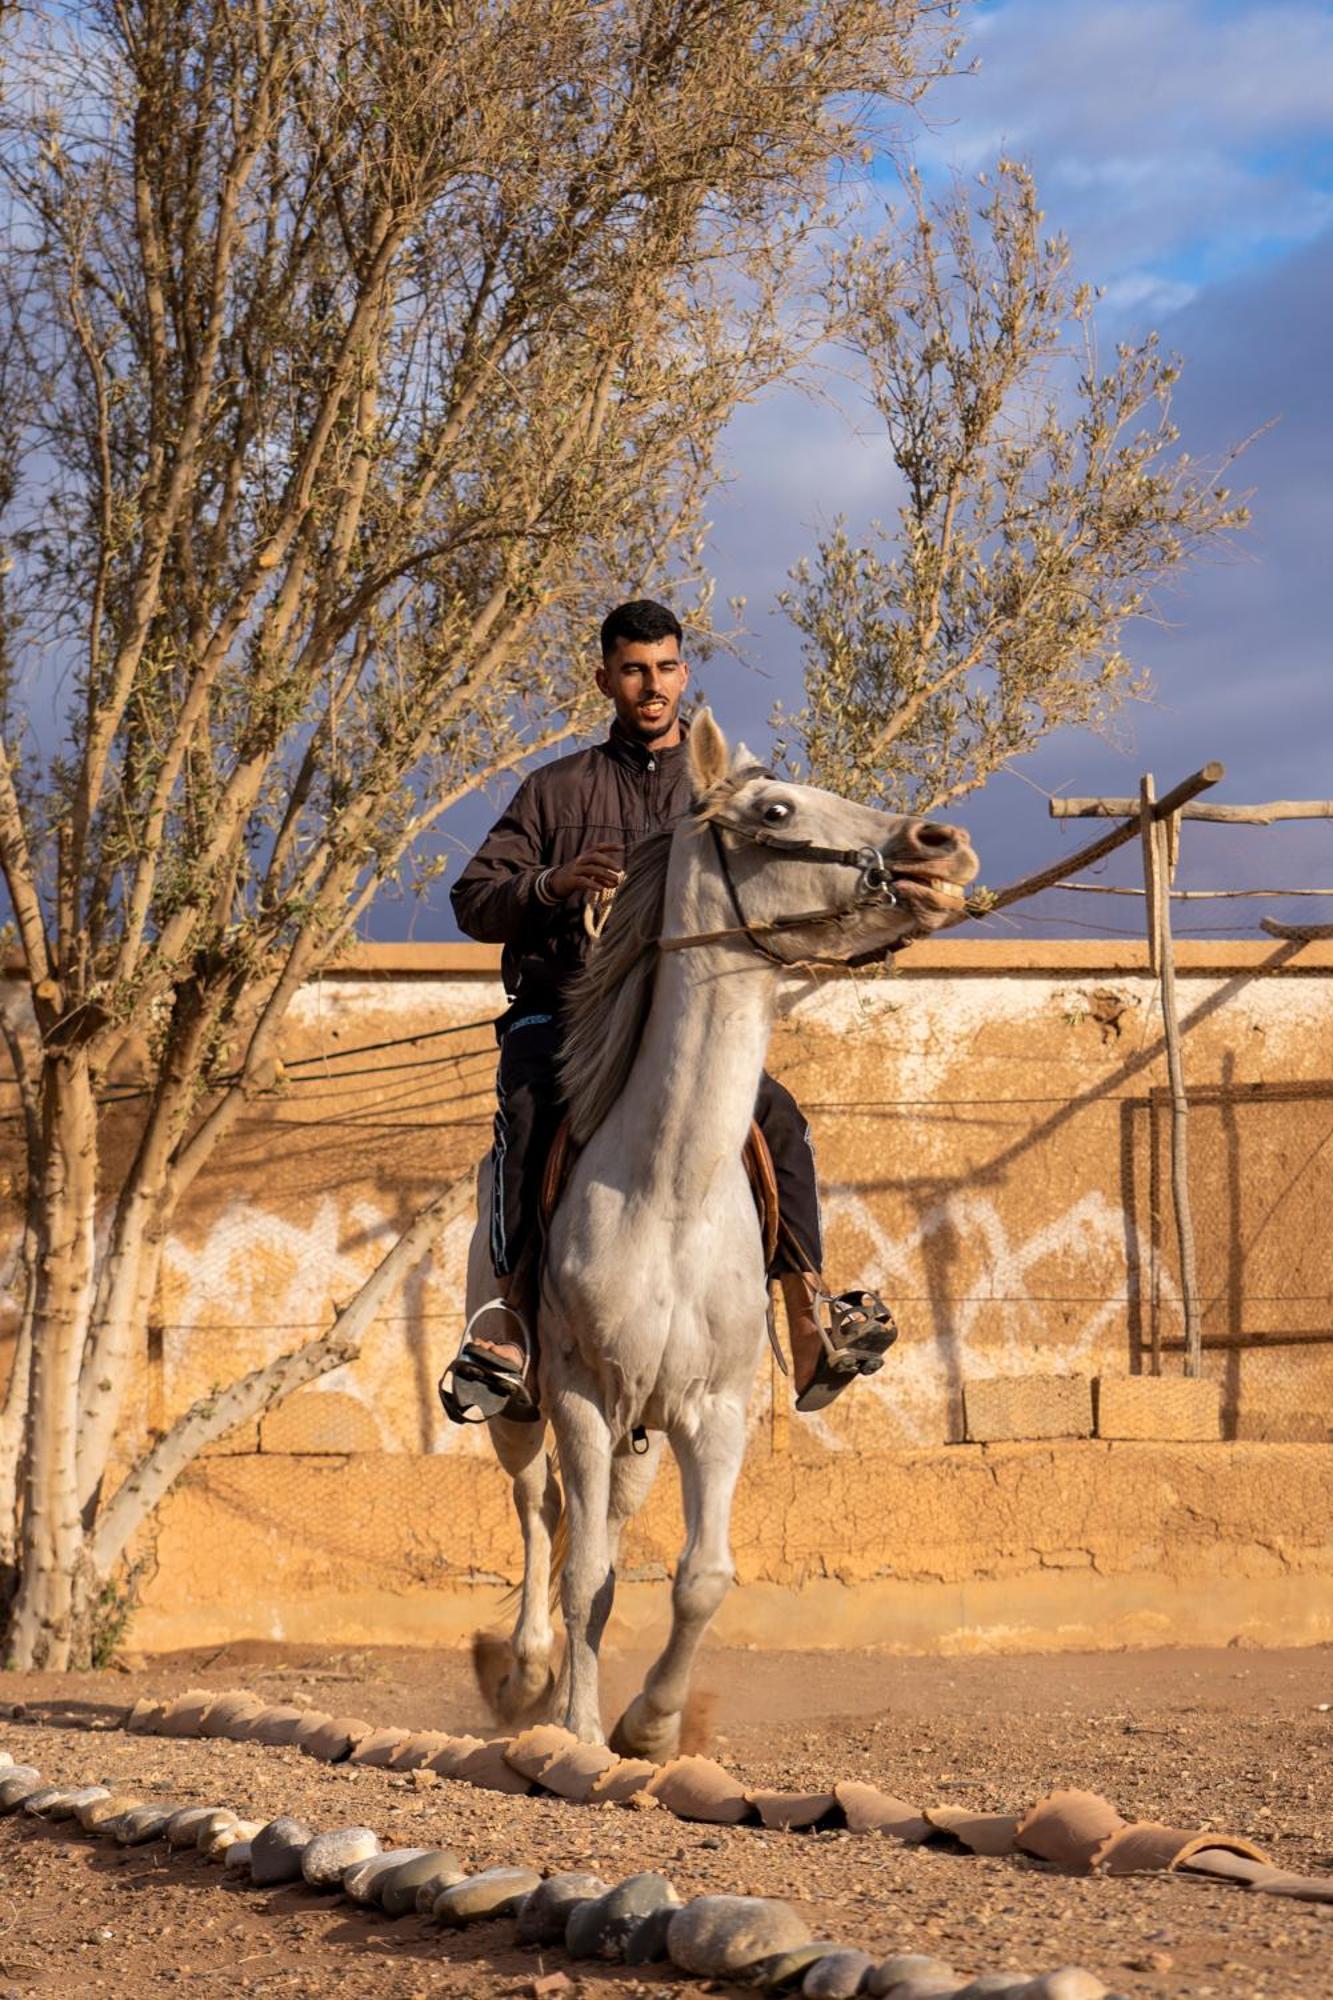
(516, 1693)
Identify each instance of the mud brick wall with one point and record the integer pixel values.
(992, 1131)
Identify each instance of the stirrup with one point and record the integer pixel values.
(860, 1332)
(476, 1387)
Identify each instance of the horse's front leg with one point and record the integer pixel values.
(709, 1447)
(516, 1678)
(525, 1686)
(632, 1476)
(587, 1582)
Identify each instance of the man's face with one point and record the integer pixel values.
(645, 680)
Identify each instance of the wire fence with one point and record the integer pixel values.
(1014, 1211)
(1015, 1207)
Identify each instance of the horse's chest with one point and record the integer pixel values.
(656, 1244)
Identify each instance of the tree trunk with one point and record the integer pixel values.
(124, 1304)
(135, 1241)
(120, 1518)
(13, 1421)
(52, 1555)
(14, 1415)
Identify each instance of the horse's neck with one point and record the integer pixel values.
(690, 1095)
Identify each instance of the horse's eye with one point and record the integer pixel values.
(776, 812)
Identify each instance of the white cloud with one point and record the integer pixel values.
(1145, 293)
(1167, 139)
(1162, 131)
(1256, 72)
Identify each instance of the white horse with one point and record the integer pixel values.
(653, 1304)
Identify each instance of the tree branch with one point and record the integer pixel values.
(215, 1414)
(108, 712)
(21, 881)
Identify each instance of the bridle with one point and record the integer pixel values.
(874, 886)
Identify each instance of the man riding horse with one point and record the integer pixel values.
(534, 886)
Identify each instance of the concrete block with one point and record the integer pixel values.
(1172, 1407)
(1284, 1426)
(1000, 1408)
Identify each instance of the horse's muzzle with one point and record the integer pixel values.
(935, 856)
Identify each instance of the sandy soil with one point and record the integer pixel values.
(1237, 1741)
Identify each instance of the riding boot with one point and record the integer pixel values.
(494, 1373)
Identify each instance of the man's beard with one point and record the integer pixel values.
(649, 728)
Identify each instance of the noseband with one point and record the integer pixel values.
(874, 886)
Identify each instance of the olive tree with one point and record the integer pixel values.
(351, 355)
(1038, 513)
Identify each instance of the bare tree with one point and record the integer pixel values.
(1036, 517)
(352, 354)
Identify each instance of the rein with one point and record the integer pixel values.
(874, 885)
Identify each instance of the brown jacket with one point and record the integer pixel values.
(615, 792)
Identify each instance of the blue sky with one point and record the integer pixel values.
(1186, 149)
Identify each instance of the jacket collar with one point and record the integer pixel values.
(627, 750)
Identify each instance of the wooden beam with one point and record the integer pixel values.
(1301, 933)
(1046, 878)
(1262, 815)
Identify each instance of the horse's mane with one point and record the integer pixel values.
(608, 1002)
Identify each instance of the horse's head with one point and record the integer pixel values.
(863, 879)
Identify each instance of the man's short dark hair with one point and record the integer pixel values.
(641, 622)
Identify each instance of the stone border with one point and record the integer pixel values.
(759, 1940)
(1078, 1833)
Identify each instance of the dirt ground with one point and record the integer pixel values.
(1238, 1741)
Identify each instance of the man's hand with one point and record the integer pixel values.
(596, 868)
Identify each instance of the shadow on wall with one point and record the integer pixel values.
(1261, 1173)
(1261, 1179)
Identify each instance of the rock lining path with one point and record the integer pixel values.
(1239, 1739)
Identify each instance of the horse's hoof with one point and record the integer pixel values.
(524, 1701)
(492, 1663)
(641, 1733)
(513, 1693)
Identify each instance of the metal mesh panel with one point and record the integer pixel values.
(1261, 1183)
(994, 1160)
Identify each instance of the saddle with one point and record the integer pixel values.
(476, 1386)
(758, 1166)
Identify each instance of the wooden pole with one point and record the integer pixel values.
(1046, 878)
(1155, 828)
(1152, 887)
(1155, 1236)
(1152, 923)
(1227, 815)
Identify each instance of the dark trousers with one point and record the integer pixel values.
(527, 1117)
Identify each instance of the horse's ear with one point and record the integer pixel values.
(710, 759)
